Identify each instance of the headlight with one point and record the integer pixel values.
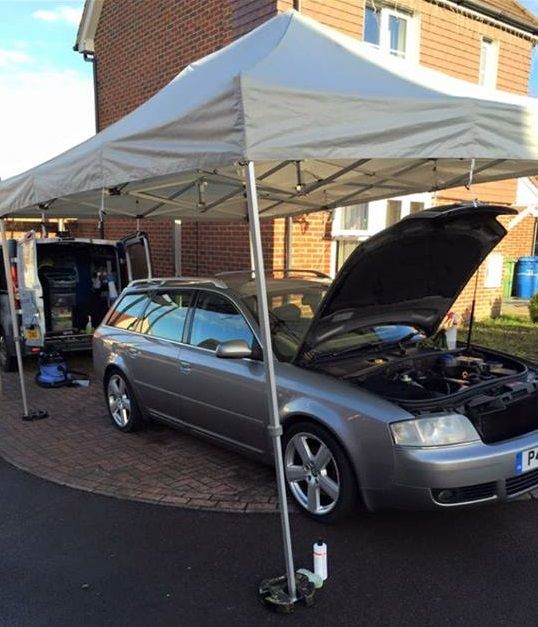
(439, 430)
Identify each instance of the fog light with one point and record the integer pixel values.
(445, 496)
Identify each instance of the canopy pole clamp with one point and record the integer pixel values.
(275, 432)
(469, 185)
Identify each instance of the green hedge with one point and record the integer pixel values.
(533, 308)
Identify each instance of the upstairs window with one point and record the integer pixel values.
(392, 31)
(489, 61)
(353, 220)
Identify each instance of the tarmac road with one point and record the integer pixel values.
(73, 558)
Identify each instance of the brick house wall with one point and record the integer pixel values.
(140, 46)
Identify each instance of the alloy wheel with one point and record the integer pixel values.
(119, 401)
(312, 473)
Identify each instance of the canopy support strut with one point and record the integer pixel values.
(13, 314)
(275, 428)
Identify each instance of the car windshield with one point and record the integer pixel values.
(291, 311)
(362, 338)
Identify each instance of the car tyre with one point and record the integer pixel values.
(121, 402)
(8, 362)
(319, 475)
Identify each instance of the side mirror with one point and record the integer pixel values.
(234, 349)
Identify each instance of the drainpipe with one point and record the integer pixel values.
(91, 58)
(297, 5)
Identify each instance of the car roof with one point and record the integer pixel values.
(241, 282)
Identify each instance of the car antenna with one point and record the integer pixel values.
(473, 309)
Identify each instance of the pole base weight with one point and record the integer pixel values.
(36, 414)
(273, 593)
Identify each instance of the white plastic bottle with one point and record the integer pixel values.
(320, 559)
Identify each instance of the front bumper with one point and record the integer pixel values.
(474, 474)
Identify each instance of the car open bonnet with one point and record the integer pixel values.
(410, 273)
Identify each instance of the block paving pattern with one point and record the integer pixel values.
(78, 446)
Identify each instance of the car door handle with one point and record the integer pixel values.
(134, 352)
(184, 367)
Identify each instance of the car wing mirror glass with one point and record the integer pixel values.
(234, 349)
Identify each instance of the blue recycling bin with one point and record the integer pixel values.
(526, 277)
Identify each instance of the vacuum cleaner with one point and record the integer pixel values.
(54, 373)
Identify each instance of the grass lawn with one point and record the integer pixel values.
(508, 334)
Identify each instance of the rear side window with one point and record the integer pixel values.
(166, 314)
(217, 320)
(128, 311)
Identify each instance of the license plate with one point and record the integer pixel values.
(527, 460)
(31, 334)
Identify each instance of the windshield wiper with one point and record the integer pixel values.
(354, 349)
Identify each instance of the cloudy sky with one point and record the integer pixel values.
(46, 93)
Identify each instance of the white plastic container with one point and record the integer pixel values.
(451, 335)
(320, 559)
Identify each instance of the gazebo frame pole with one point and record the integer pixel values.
(13, 313)
(275, 428)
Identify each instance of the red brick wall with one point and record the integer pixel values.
(141, 45)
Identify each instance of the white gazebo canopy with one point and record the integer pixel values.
(328, 121)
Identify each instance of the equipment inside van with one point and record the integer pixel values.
(65, 287)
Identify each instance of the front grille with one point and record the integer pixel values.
(517, 418)
(466, 494)
(522, 483)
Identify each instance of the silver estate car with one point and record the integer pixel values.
(374, 407)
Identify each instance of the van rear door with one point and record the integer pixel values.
(137, 256)
(30, 292)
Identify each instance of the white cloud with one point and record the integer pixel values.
(43, 114)
(9, 58)
(70, 15)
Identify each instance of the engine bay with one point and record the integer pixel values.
(423, 377)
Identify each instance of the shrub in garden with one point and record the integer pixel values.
(533, 308)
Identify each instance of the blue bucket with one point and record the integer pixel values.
(526, 277)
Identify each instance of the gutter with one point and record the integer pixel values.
(91, 58)
(85, 45)
(478, 6)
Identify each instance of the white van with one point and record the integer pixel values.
(64, 287)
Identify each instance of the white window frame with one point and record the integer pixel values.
(489, 64)
(412, 32)
(338, 230)
(377, 221)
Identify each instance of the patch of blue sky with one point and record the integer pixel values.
(46, 91)
(532, 5)
(38, 35)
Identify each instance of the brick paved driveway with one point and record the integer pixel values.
(79, 447)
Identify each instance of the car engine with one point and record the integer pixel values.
(435, 375)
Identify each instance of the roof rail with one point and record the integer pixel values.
(285, 271)
(180, 280)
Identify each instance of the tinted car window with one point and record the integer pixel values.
(166, 314)
(217, 320)
(290, 312)
(128, 311)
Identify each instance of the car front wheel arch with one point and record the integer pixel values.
(309, 489)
